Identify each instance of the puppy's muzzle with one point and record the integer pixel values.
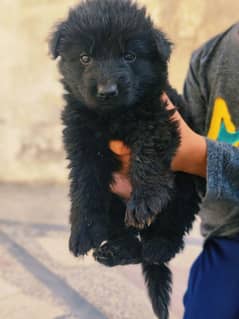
(108, 91)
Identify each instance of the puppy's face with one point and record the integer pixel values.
(109, 62)
(108, 75)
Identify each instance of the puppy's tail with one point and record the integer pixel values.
(158, 279)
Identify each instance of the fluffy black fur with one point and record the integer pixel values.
(114, 66)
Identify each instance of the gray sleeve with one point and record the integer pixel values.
(222, 172)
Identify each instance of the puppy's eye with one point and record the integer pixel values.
(129, 57)
(85, 59)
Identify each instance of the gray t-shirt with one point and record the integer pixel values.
(212, 93)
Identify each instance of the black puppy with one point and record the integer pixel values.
(114, 66)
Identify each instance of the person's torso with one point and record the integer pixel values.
(219, 84)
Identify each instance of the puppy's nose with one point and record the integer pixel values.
(107, 91)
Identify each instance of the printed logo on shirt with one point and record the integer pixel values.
(222, 127)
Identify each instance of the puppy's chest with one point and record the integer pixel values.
(132, 125)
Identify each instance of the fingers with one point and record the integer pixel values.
(166, 99)
(121, 186)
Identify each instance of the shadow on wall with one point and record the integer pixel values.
(30, 129)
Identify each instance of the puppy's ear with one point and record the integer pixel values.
(55, 40)
(164, 46)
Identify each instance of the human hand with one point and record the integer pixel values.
(121, 186)
(191, 155)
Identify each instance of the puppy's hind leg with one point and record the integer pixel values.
(165, 237)
(120, 251)
(123, 246)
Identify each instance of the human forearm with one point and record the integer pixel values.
(191, 156)
(195, 160)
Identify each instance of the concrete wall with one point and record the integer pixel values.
(30, 103)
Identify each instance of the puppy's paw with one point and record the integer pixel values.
(80, 243)
(141, 212)
(85, 238)
(115, 252)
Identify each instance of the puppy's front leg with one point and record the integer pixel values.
(88, 216)
(90, 200)
(153, 146)
(152, 183)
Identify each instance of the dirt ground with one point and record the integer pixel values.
(39, 278)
